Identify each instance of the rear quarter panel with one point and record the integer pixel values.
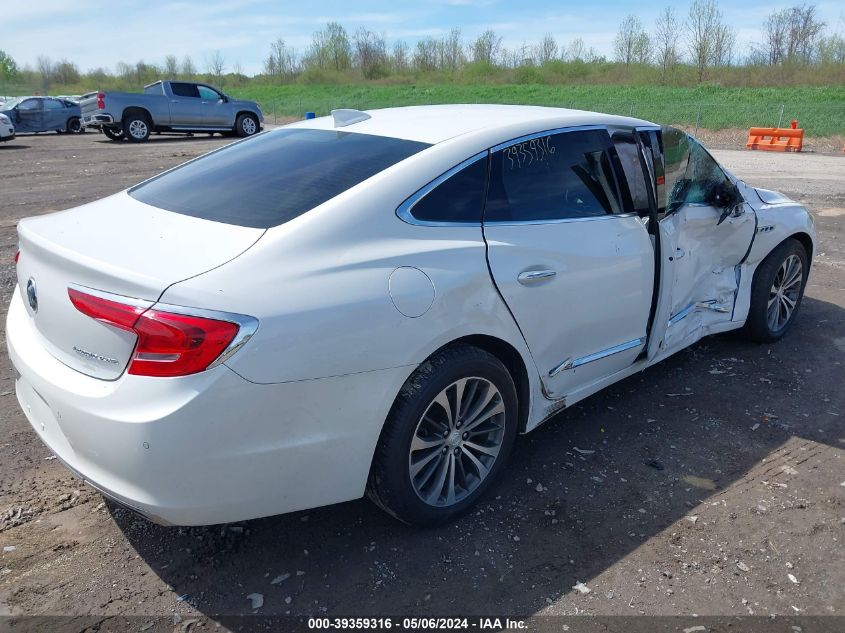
(319, 285)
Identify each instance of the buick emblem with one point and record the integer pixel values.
(32, 295)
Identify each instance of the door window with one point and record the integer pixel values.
(632, 167)
(53, 104)
(29, 105)
(459, 198)
(185, 90)
(553, 177)
(692, 175)
(208, 94)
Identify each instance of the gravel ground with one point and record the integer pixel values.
(711, 484)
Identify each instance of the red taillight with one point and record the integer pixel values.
(17, 256)
(101, 100)
(168, 344)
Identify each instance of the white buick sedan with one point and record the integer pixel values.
(378, 303)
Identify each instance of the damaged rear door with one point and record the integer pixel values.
(706, 230)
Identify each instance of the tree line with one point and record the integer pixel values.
(696, 46)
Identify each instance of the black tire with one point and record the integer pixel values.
(115, 134)
(74, 126)
(136, 127)
(760, 326)
(390, 483)
(246, 125)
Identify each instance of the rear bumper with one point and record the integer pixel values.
(97, 120)
(208, 448)
(7, 133)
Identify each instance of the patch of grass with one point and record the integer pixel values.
(819, 110)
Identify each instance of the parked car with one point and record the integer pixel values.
(380, 302)
(169, 106)
(7, 130)
(43, 114)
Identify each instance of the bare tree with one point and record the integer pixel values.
(450, 51)
(188, 69)
(216, 64)
(792, 35)
(401, 57)
(45, 70)
(425, 55)
(281, 62)
(171, 67)
(66, 72)
(710, 41)
(632, 45)
(486, 47)
(665, 40)
(370, 53)
(547, 49)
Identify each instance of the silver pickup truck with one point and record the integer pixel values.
(169, 106)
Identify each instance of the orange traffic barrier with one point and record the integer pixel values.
(776, 139)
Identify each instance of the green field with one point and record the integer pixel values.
(820, 111)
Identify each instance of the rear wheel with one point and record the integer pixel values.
(246, 125)
(74, 126)
(115, 134)
(136, 128)
(776, 292)
(448, 435)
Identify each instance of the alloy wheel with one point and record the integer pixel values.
(456, 441)
(138, 129)
(784, 293)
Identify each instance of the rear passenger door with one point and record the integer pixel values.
(55, 115)
(572, 259)
(185, 105)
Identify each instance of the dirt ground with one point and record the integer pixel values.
(711, 484)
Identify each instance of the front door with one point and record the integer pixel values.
(217, 112)
(29, 116)
(575, 266)
(706, 232)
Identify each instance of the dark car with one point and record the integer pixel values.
(43, 114)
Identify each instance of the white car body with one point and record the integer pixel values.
(348, 300)
(7, 130)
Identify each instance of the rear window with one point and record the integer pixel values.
(273, 177)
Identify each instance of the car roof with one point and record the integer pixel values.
(437, 123)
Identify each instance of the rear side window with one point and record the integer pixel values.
(184, 90)
(560, 176)
(274, 177)
(458, 199)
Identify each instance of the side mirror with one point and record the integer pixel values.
(725, 196)
(224, 98)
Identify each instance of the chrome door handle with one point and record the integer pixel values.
(679, 253)
(528, 277)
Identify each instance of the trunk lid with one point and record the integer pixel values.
(88, 103)
(117, 245)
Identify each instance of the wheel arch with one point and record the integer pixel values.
(513, 362)
(249, 112)
(806, 242)
(137, 110)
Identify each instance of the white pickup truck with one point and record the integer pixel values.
(169, 106)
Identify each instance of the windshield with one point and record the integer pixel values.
(274, 177)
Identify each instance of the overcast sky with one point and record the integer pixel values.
(100, 33)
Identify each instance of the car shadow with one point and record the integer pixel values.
(172, 138)
(580, 494)
(11, 145)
